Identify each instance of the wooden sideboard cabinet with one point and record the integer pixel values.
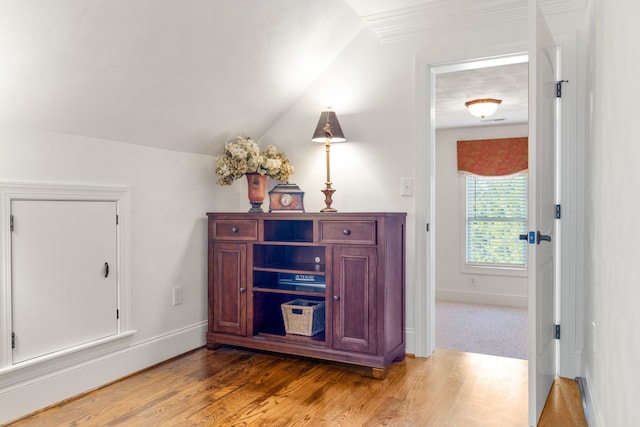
(354, 263)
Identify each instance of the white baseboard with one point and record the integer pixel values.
(52, 387)
(410, 341)
(482, 298)
(587, 401)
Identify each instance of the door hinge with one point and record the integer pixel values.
(559, 88)
(13, 340)
(558, 212)
(557, 332)
(11, 223)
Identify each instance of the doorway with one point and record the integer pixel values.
(478, 308)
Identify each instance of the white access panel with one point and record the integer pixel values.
(61, 293)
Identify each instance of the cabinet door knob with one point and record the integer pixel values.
(336, 297)
(234, 229)
(243, 290)
(346, 231)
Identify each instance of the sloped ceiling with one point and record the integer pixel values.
(164, 73)
(186, 75)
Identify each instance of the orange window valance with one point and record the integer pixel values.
(493, 157)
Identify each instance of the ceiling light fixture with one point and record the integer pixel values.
(483, 107)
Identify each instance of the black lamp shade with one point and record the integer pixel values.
(320, 134)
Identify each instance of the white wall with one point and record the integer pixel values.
(170, 193)
(451, 283)
(612, 348)
(377, 91)
(374, 89)
(371, 89)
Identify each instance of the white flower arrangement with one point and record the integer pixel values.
(244, 157)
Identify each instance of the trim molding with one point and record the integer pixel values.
(440, 16)
(22, 399)
(585, 395)
(571, 197)
(482, 298)
(17, 190)
(425, 88)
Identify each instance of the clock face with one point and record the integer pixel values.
(286, 197)
(285, 200)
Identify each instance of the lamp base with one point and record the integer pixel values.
(328, 193)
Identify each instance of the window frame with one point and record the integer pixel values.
(487, 269)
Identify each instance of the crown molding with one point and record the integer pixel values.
(554, 7)
(439, 16)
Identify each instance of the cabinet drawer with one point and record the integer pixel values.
(353, 232)
(235, 229)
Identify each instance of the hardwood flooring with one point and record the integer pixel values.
(563, 406)
(235, 387)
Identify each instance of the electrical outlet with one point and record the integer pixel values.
(406, 186)
(177, 295)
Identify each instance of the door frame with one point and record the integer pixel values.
(426, 72)
(48, 191)
(570, 180)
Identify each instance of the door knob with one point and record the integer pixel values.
(542, 237)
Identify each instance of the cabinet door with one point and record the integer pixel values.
(229, 288)
(63, 293)
(354, 299)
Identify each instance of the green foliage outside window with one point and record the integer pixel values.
(496, 216)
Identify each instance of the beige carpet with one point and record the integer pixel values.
(483, 329)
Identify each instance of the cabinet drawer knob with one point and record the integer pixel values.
(346, 231)
(234, 229)
(243, 290)
(336, 297)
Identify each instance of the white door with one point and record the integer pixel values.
(63, 275)
(542, 102)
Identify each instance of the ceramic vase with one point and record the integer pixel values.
(256, 186)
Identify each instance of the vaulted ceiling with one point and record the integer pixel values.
(181, 75)
(163, 73)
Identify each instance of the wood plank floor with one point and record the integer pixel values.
(563, 406)
(235, 387)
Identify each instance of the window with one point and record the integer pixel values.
(496, 216)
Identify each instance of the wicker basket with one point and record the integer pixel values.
(303, 317)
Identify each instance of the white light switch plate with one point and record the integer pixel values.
(406, 186)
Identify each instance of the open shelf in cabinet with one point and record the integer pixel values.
(293, 259)
(288, 231)
(268, 321)
(293, 268)
(292, 283)
(291, 290)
